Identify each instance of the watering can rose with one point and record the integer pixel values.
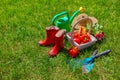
(81, 9)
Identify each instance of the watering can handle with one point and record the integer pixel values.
(58, 15)
(102, 53)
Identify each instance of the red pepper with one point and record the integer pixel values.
(81, 39)
(86, 38)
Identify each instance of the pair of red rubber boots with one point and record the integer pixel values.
(54, 37)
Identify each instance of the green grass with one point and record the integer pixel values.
(22, 25)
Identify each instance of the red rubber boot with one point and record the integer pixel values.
(59, 39)
(51, 31)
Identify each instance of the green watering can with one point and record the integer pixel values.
(63, 21)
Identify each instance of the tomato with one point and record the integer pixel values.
(76, 34)
(99, 36)
(73, 51)
(77, 40)
(102, 35)
(81, 39)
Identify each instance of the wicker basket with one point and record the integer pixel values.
(71, 34)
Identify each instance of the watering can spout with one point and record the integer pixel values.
(75, 13)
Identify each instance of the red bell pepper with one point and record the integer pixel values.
(86, 38)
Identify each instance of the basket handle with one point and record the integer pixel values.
(73, 26)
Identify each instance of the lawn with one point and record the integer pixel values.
(22, 25)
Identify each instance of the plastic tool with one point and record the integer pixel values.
(88, 63)
(77, 63)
